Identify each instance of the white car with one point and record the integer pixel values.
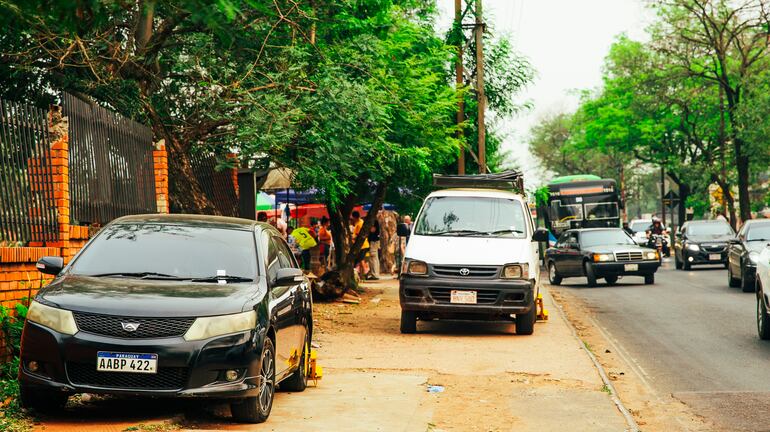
(763, 301)
(472, 254)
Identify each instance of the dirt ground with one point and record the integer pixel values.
(376, 379)
(651, 410)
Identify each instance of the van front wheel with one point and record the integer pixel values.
(525, 323)
(408, 322)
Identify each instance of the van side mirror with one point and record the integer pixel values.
(540, 235)
(402, 230)
(288, 276)
(51, 265)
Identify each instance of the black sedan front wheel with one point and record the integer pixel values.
(590, 274)
(763, 324)
(43, 402)
(257, 409)
(553, 277)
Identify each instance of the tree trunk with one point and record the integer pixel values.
(742, 166)
(346, 251)
(185, 193)
(684, 193)
(729, 198)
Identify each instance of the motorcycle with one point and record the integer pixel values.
(659, 242)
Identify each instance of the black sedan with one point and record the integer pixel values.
(174, 306)
(702, 242)
(597, 253)
(743, 252)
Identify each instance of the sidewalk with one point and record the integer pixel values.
(376, 380)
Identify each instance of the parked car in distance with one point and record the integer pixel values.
(472, 254)
(600, 253)
(743, 253)
(171, 306)
(702, 242)
(762, 287)
(639, 227)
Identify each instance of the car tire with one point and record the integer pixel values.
(297, 381)
(747, 285)
(763, 323)
(408, 322)
(611, 280)
(731, 281)
(257, 409)
(677, 263)
(43, 402)
(525, 323)
(590, 274)
(553, 277)
(649, 279)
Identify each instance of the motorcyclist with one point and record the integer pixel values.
(656, 228)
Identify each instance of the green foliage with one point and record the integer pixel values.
(12, 417)
(541, 196)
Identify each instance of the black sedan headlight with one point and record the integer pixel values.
(693, 247)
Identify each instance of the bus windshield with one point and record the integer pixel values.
(603, 210)
(565, 212)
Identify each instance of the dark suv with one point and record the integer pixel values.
(171, 306)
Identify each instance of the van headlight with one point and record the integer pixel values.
(56, 319)
(516, 271)
(414, 268)
(209, 327)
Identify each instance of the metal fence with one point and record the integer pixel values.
(217, 185)
(111, 165)
(27, 203)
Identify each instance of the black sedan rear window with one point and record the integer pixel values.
(173, 250)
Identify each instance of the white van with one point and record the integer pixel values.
(472, 254)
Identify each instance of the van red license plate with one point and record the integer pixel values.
(462, 297)
(126, 362)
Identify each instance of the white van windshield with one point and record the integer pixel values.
(472, 216)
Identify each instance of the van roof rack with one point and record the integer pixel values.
(505, 180)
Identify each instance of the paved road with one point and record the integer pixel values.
(692, 336)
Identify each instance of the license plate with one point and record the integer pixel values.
(715, 257)
(631, 267)
(126, 362)
(463, 297)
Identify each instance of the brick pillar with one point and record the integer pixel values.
(61, 187)
(160, 161)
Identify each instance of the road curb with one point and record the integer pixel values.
(632, 425)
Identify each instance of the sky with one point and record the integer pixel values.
(566, 42)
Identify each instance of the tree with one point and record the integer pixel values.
(724, 43)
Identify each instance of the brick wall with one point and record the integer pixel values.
(19, 278)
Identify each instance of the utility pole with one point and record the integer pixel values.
(458, 84)
(663, 194)
(480, 88)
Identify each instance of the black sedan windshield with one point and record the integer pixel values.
(174, 251)
(605, 237)
(710, 229)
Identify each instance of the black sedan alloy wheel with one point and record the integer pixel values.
(257, 409)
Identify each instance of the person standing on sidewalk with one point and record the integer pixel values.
(325, 240)
(374, 251)
(305, 240)
(357, 224)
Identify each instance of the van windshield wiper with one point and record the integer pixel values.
(459, 233)
(505, 231)
(227, 278)
(141, 275)
(759, 239)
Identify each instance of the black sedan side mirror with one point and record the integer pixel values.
(540, 235)
(51, 265)
(288, 276)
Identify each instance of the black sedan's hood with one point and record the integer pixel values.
(148, 298)
(615, 248)
(721, 239)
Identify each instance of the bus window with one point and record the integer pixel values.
(561, 213)
(605, 210)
